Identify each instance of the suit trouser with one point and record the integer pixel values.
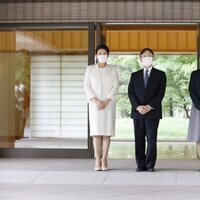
(146, 128)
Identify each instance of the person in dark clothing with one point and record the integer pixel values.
(145, 91)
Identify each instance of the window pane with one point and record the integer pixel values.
(43, 103)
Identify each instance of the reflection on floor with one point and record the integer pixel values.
(52, 143)
(169, 150)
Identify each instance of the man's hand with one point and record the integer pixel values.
(144, 109)
(147, 108)
(141, 110)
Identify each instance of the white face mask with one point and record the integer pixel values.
(147, 61)
(102, 58)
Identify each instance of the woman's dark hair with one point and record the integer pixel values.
(102, 46)
(146, 49)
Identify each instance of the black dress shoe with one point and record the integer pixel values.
(151, 170)
(139, 169)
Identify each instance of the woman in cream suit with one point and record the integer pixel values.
(101, 85)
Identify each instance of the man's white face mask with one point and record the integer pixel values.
(102, 58)
(147, 61)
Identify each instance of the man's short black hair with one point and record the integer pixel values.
(103, 46)
(146, 49)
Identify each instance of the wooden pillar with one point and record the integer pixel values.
(7, 99)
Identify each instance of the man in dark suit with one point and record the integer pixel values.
(146, 91)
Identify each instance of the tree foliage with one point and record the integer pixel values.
(178, 69)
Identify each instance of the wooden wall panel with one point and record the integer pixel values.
(134, 42)
(158, 40)
(76, 40)
(172, 40)
(143, 39)
(2, 40)
(117, 40)
(84, 36)
(57, 39)
(39, 40)
(162, 40)
(114, 40)
(153, 39)
(10, 41)
(124, 40)
(191, 42)
(30, 38)
(48, 38)
(20, 41)
(67, 39)
(182, 40)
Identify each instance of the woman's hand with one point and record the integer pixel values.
(106, 101)
(100, 104)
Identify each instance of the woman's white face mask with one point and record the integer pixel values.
(147, 61)
(102, 58)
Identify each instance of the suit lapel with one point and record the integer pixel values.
(97, 73)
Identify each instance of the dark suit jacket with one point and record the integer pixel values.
(152, 95)
(194, 88)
